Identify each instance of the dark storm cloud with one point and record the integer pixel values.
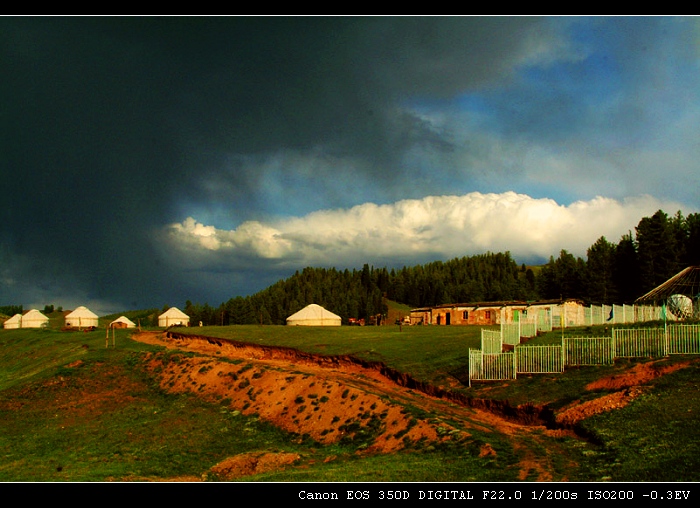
(329, 103)
(113, 128)
(112, 124)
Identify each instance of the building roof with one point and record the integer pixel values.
(686, 283)
(508, 303)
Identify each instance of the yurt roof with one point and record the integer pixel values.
(34, 314)
(312, 311)
(82, 312)
(174, 312)
(14, 319)
(123, 319)
(685, 282)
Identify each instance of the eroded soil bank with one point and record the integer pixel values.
(334, 398)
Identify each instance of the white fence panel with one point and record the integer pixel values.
(491, 367)
(491, 341)
(618, 314)
(639, 342)
(644, 313)
(499, 367)
(588, 351)
(476, 363)
(510, 333)
(544, 320)
(596, 315)
(608, 314)
(683, 339)
(593, 315)
(538, 359)
(528, 329)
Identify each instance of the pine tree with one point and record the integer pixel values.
(657, 251)
(600, 286)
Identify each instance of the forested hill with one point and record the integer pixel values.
(360, 293)
(611, 273)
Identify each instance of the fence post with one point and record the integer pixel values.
(561, 357)
(612, 349)
(469, 371)
(563, 314)
(663, 310)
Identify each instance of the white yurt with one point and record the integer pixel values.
(13, 322)
(122, 322)
(173, 317)
(82, 317)
(34, 319)
(313, 315)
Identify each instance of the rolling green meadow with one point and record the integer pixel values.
(72, 409)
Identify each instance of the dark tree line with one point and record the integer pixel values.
(482, 278)
(611, 273)
(621, 272)
(11, 310)
(361, 293)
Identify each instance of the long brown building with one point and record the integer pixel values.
(494, 313)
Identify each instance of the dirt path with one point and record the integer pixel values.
(331, 399)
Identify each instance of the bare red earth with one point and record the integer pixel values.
(328, 398)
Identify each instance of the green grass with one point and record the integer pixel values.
(427, 465)
(106, 419)
(26, 354)
(655, 438)
(73, 410)
(103, 418)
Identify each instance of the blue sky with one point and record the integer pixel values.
(154, 160)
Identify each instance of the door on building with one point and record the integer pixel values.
(447, 318)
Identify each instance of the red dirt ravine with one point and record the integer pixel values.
(639, 374)
(629, 385)
(332, 397)
(325, 402)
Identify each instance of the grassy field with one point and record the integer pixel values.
(73, 410)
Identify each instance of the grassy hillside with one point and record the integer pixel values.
(73, 410)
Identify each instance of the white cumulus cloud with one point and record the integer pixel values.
(431, 228)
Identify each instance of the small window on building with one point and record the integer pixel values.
(487, 314)
(465, 315)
